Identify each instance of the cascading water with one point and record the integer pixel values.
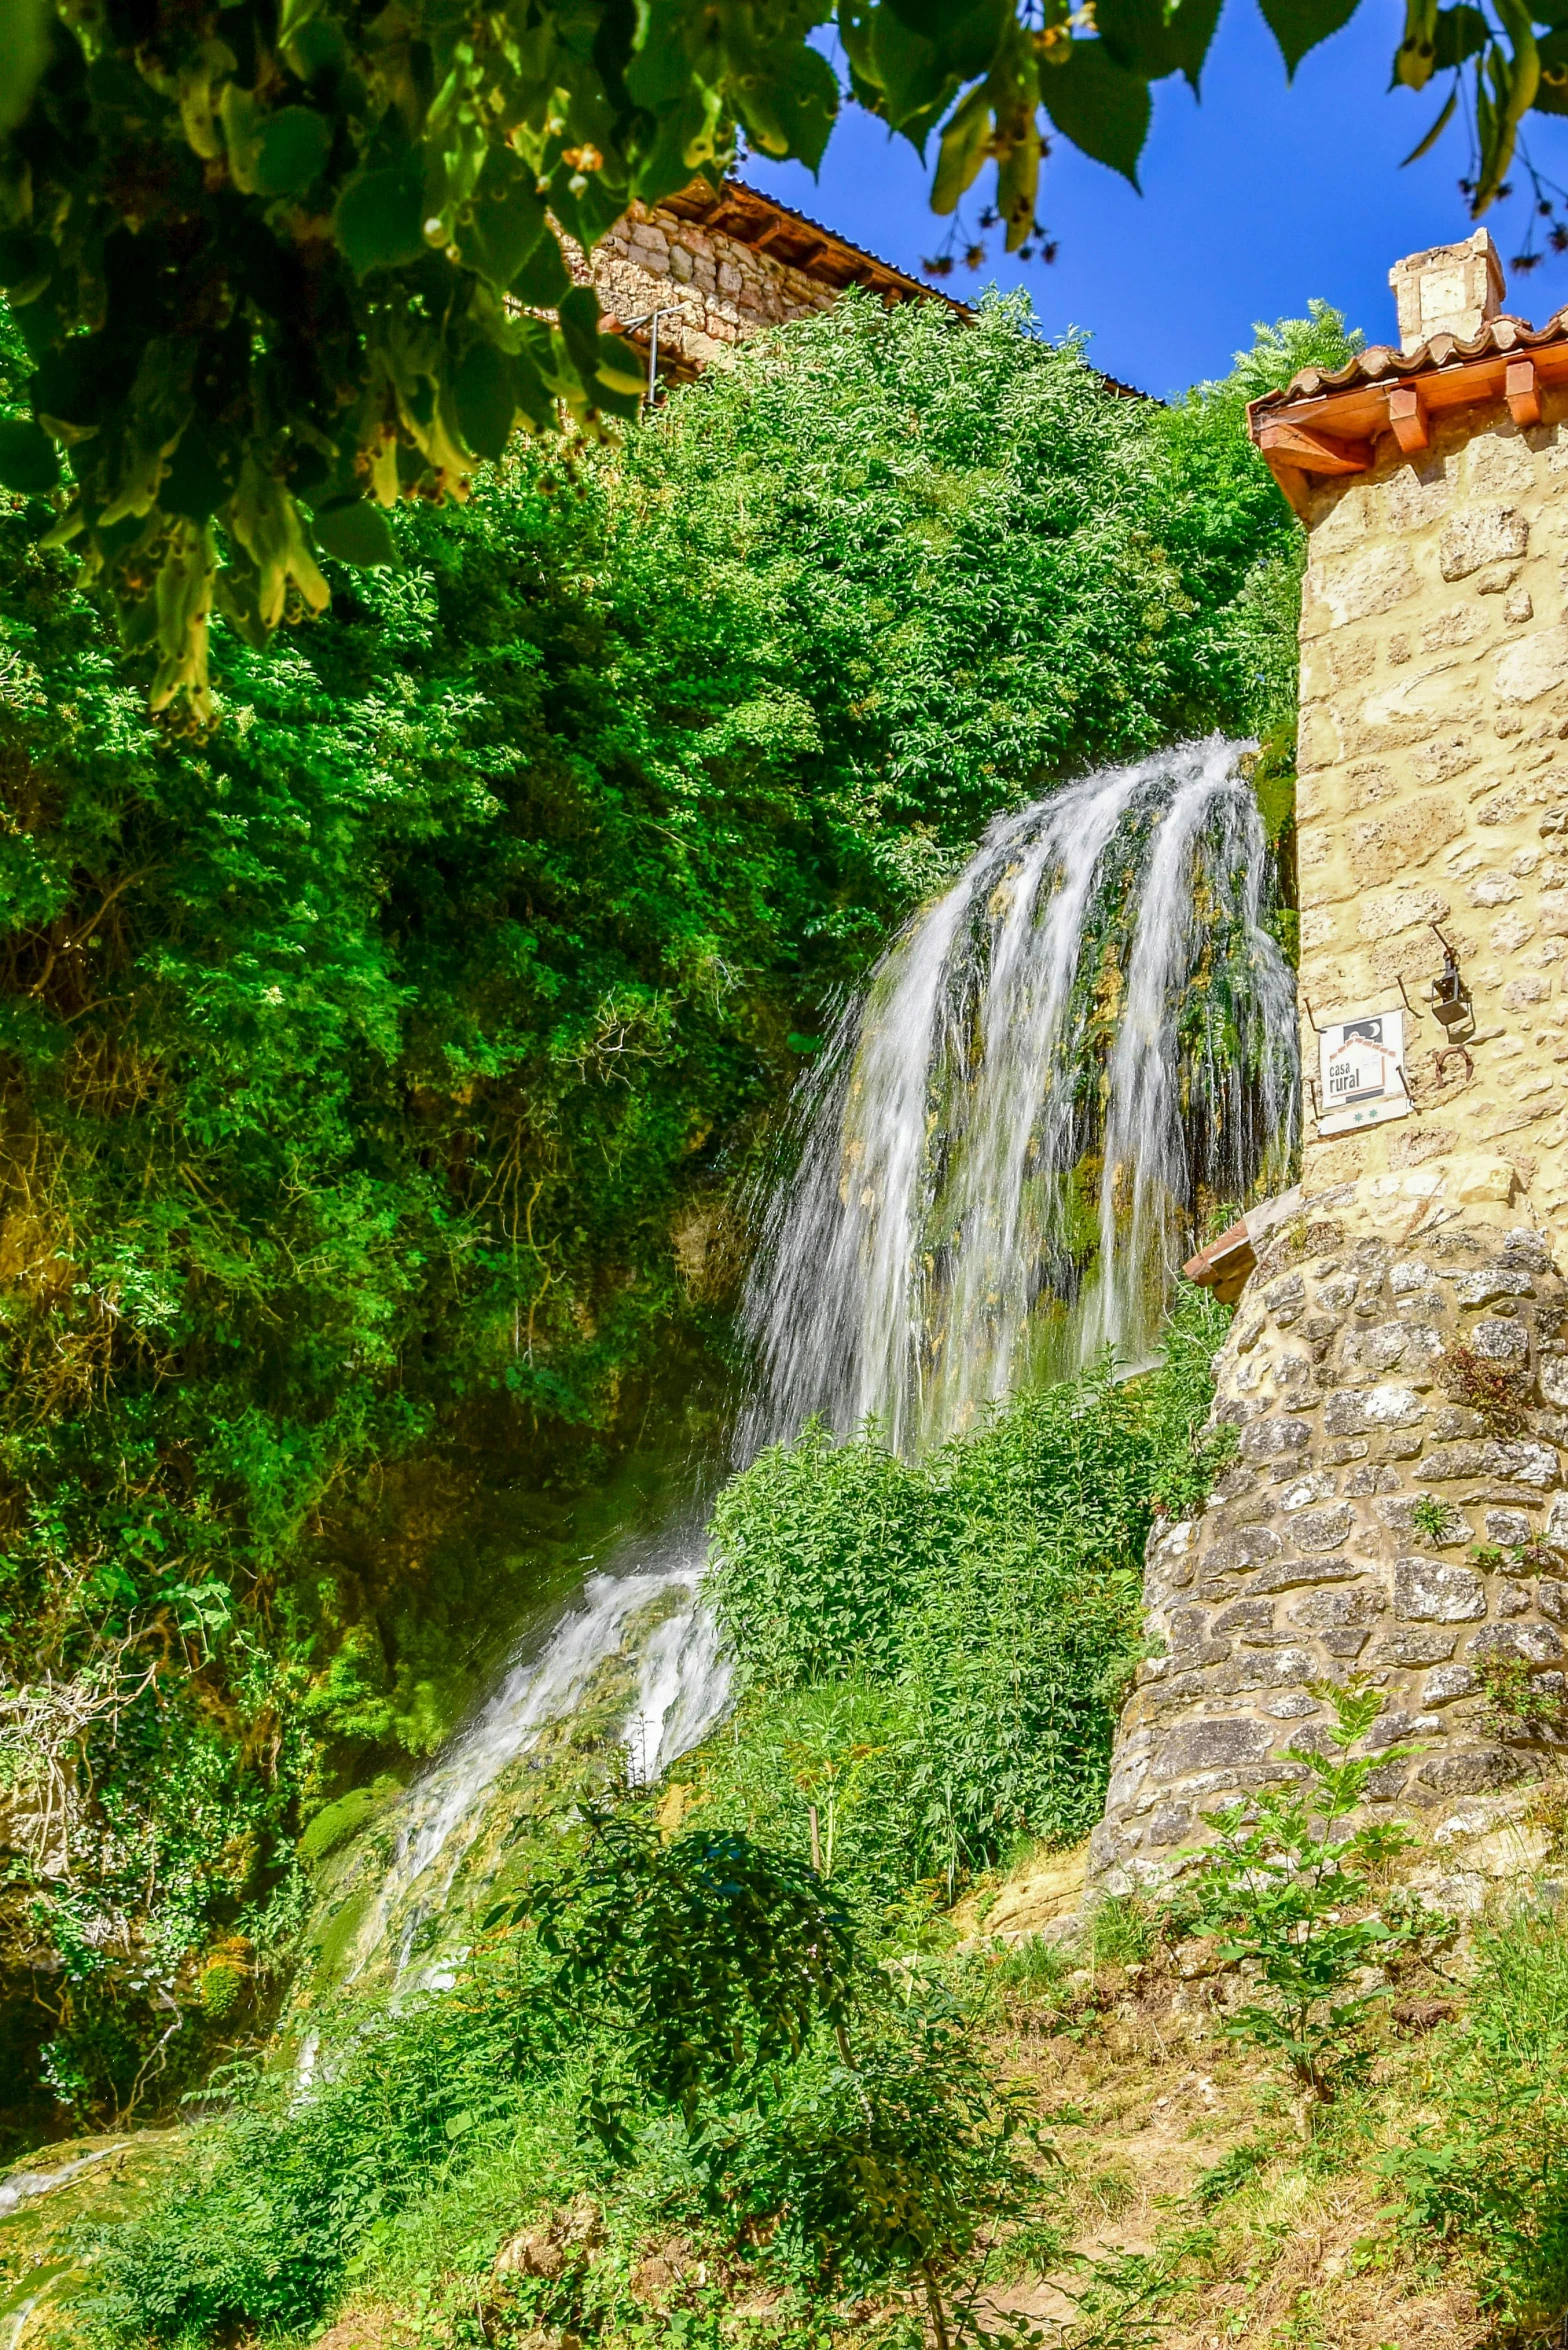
(1088, 1038)
(682, 1682)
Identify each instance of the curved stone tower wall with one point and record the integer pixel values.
(1345, 1373)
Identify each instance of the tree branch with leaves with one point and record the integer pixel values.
(282, 263)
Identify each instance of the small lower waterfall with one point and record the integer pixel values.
(682, 1683)
(1084, 1044)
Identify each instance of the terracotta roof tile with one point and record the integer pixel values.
(1381, 363)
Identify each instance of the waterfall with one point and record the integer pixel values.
(1088, 1040)
(681, 1685)
(1084, 1044)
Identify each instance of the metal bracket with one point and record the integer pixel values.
(651, 318)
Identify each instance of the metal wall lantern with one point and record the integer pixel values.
(1448, 995)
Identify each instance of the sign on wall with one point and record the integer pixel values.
(1361, 1073)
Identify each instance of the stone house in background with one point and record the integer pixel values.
(1397, 1369)
(718, 265)
(713, 266)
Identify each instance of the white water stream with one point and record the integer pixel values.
(1087, 1038)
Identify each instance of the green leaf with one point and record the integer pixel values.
(485, 392)
(193, 485)
(529, 366)
(587, 209)
(544, 277)
(1099, 107)
(965, 143)
(29, 460)
(967, 39)
(578, 312)
(26, 31)
(621, 366)
(660, 74)
(1437, 129)
(1299, 25)
(355, 532)
(791, 107)
(1190, 25)
(292, 151)
(1145, 38)
(507, 218)
(907, 67)
(1459, 34)
(685, 130)
(317, 47)
(380, 217)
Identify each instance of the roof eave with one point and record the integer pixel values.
(1322, 426)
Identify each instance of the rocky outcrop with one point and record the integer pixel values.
(1394, 1510)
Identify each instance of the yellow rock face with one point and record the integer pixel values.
(1043, 1891)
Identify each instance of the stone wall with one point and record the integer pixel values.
(726, 289)
(1434, 787)
(1346, 1373)
(1398, 1367)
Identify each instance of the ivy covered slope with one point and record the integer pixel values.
(374, 1061)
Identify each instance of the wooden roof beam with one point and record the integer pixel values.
(1310, 451)
(1407, 419)
(1522, 391)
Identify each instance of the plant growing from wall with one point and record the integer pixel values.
(1286, 1887)
(1495, 1390)
(1516, 1705)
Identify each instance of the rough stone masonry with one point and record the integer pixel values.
(1397, 1369)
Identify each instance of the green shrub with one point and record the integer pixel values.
(682, 2026)
(1492, 2173)
(260, 2224)
(1287, 1888)
(989, 1595)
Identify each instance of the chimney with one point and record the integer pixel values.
(1449, 290)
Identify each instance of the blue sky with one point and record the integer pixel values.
(1263, 195)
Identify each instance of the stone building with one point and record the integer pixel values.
(719, 265)
(1398, 1365)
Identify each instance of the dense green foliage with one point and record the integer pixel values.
(281, 263)
(376, 1063)
(1491, 2172)
(970, 564)
(943, 1644)
(685, 2028)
